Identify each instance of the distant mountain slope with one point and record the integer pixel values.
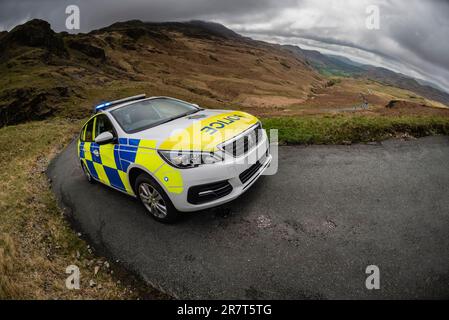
(327, 65)
(341, 66)
(198, 61)
(46, 73)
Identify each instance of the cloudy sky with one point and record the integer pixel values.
(412, 39)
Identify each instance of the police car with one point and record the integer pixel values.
(173, 155)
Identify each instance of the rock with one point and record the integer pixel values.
(92, 283)
(96, 269)
(34, 33)
(392, 103)
(82, 45)
(24, 104)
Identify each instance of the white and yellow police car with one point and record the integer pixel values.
(173, 155)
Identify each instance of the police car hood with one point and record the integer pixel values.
(201, 131)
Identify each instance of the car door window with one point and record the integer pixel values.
(103, 124)
(88, 132)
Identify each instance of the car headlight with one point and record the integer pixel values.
(189, 159)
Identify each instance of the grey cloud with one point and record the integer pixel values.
(412, 39)
(99, 13)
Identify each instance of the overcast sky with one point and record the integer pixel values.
(412, 39)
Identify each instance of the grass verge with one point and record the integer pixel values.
(342, 129)
(36, 242)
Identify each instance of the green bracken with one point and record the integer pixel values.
(353, 129)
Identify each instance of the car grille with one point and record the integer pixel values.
(208, 192)
(245, 143)
(250, 172)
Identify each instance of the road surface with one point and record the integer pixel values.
(308, 232)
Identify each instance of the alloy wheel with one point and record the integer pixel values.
(152, 200)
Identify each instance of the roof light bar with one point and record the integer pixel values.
(106, 105)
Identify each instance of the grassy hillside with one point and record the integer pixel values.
(61, 74)
(36, 243)
(192, 61)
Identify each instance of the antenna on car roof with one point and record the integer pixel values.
(106, 105)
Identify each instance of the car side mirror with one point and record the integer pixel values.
(104, 138)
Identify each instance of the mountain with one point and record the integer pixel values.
(342, 66)
(65, 74)
(325, 64)
(45, 73)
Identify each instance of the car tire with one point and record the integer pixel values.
(87, 174)
(154, 199)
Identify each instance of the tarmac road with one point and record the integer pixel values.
(307, 232)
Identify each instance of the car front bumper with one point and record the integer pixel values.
(240, 173)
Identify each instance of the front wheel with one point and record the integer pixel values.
(155, 200)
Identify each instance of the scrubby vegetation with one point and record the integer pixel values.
(36, 242)
(352, 129)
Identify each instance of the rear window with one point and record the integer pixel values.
(149, 113)
(87, 132)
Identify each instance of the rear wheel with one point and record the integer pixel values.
(87, 173)
(155, 200)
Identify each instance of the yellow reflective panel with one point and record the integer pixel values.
(107, 155)
(206, 134)
(149, 159)
(171, 178)
(124, 178)
(87, 153)
(176, 190)
(147, 144)
(101, 173)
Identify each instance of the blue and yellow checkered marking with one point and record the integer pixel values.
(110, 164)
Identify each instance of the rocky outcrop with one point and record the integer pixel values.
(83, 45)
(24, 104)
(34, 33)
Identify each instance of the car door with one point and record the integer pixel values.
(108, 155)
(87, 139)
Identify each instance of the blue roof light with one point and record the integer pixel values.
(116, 102)
(103, 105)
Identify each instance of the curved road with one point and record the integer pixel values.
(308, 232)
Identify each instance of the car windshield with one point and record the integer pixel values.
(145, 114)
